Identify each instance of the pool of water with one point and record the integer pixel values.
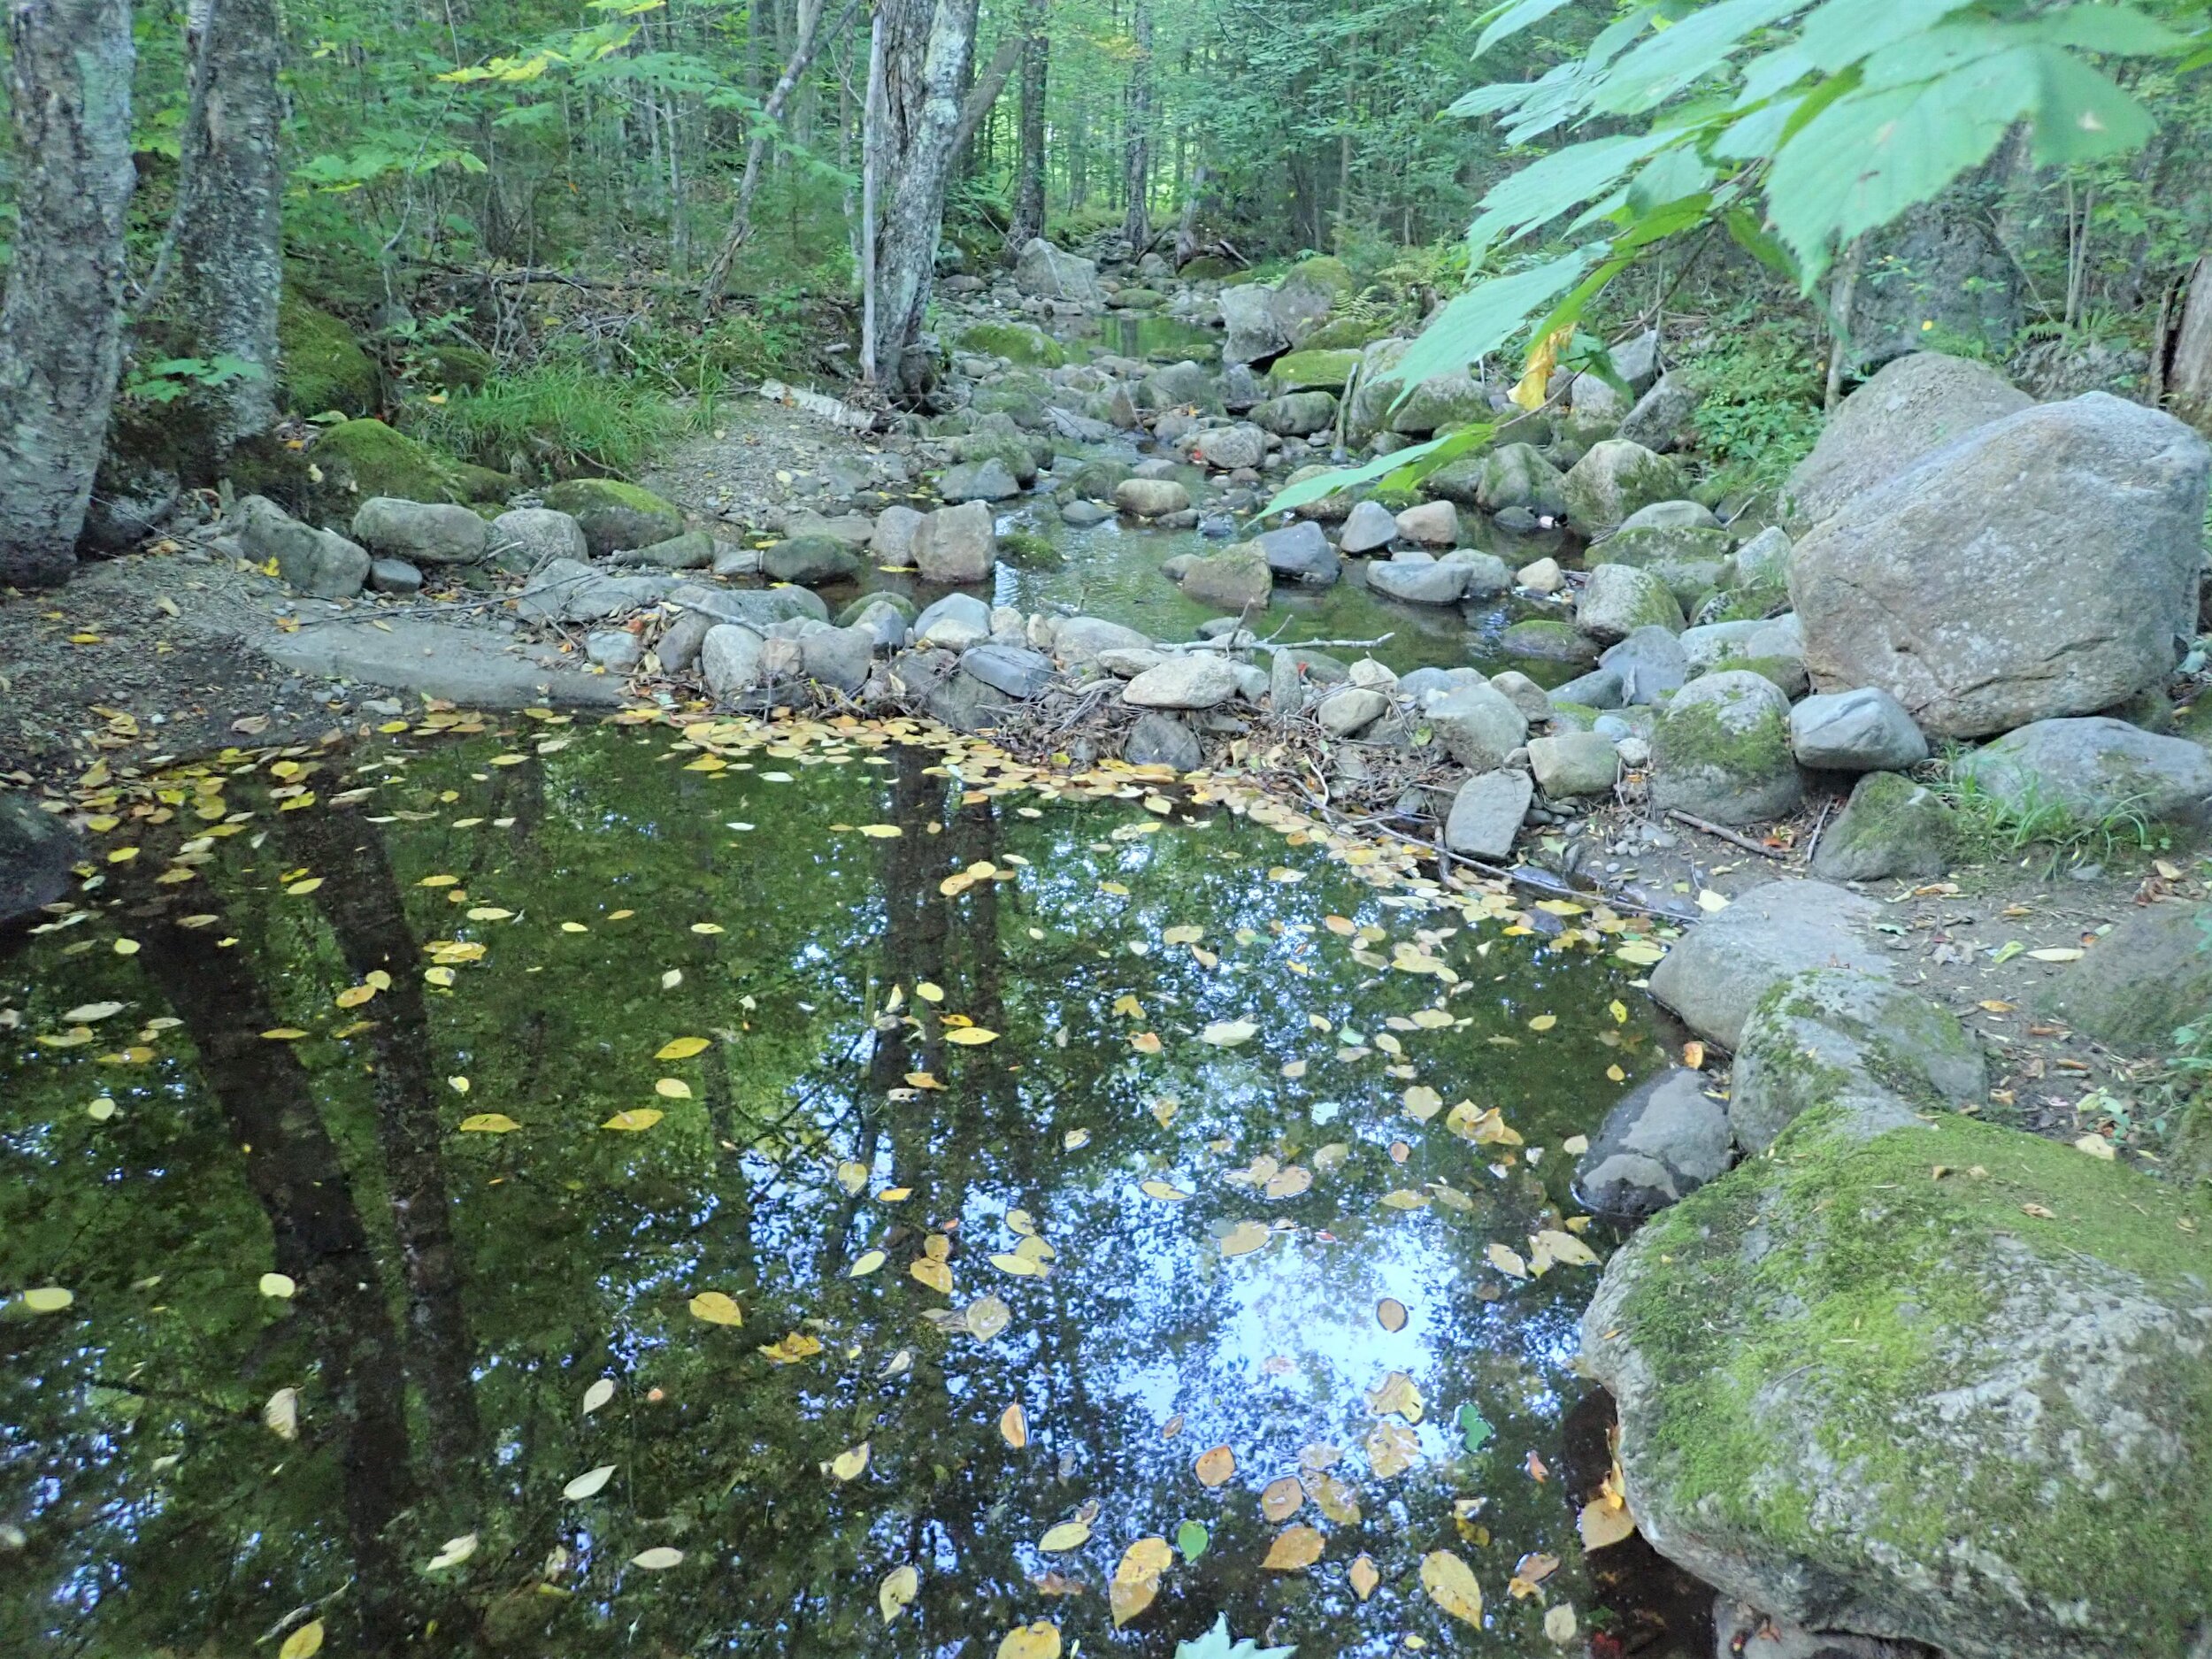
(1149, 337)
(564, 1190)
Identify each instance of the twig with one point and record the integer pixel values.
(1813, 845)
(1728, 836)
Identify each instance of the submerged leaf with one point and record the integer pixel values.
(1191, 1538)
(847, 1464)
(1013, 1426)
(1215, 1466)
(1039, 1641)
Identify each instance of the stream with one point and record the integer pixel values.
(549, 1188)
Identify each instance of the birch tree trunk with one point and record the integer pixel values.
(927, 45)
(61, 317)
(230, 209)
(1029, 189)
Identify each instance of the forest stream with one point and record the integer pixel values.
(543, 1188)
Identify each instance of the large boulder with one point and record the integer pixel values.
(1183, 385)
(957, 544)
(1662, 419)
(2045, 564)
(616, 515)
(1665, 1139)
(1233, 578)
(1486, 814)
(1150, 497)
(1618, 599)
(1418, 580)
(1312, 371)
(2096, 770)
(1193, 680)
(1721, 751)
(1715, 976)
(527, 537)
(1689, 559)
(2142, 982)
(811, 561)
(1614, 479)
(1865, 730)
(1477, 725)
(422, 533)
(1296, 414)
(1891, 826)
(1255, 333)
(1045, 271)
(320, 563)
(1228, 448)
(36, 850)
(1945, 1383)
(1301, 553)
(1912, 407)
(1835, 1036)
(325, 367)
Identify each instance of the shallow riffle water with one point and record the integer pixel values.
(532, 1061)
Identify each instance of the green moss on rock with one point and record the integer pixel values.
(325, 367)
(1019, 342)
(363, 459)
(615, 515)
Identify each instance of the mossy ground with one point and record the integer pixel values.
(325, 367)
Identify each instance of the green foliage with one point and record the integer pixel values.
(173, 378)
(2043, 826)
(560, 418)
(1759, 402)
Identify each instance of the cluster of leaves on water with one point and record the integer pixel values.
(780, 1049)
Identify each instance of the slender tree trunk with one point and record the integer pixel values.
(812, 38)
(61, 317)
(872, 119)
(1029, 189)
(985, 93)
(230, 208)
(927, 48)
(1136, 225)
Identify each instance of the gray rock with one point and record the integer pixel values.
(1198, 679)
(1715, 974)
(893, 540)
(1914, 407)
(1662, 419)
(2043, 564)
(694, 551)
(1665, 1139)
(2140, 983)
(2096, 770)
(1150, 497)
(1349, 710)
(1240, 389)
(1721, 751)
(1079, 640)
(1127, 665)
(1430, 524)
(1083, 514)
(618, 650)
(422, 533)
(530, 536)
(1531, 699)
(1613, 481)
(885, 622)
(1424, 683)
(394, 576)
(732, 560)
(1478, 726)
(759, 609)
(1160, 740)
(1832, 1036)
(1651, 663)
(1296, 414)
(1488, 574)
(1672, 514)
(1600, 688)
(678, 645)
(1715, 644)
(1226, 449)
(1514, 475)
(730, 660)
(1690, 560)
(955, 622)
(614, 514)
(1233, 578)
(957, 544)
(1256, 333)
(1891, 826)
(1420, 580)
(811, 561)
(1297, 674)
(1618, 599)
(1764, 560)
(1486, 814)
(1180, 386)
(474, 667)
(839, 657)
(1864, 730)
(1011, 669)
(1370, 526)
(320, 563)
(2003, 1458)
(36, 851)
(979, 480)
(1049, 272)
(1301, 554)
(1571, 764)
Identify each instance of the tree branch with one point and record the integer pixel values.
(988, 86)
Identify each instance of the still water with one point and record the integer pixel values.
(557, 1190)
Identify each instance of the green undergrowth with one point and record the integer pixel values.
(1760, 389)
(2043, 831)
(557, 419)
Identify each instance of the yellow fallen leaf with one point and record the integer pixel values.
(2056, 954)
(588, 1483)
(672, 1088)
(1039, 1641)
(1603, 1522)
(847, 1464)
(716, 1308)
(47, 1298)
(638, 1118)
(280, 1286)
(1543, 1022)
(1365, 1577)
(1228, 1033)
(929, 1270)
(280, 1414)
(1451, 1585)
(1244, 1237)
(882, 833)
(899, 1585)
(1215, 1466)
(971, 1036)
(682, 1048)
(1068, 1535)
(1013, 1426)
(1163, 1191)
(304, 1643)
(1296, 1547)
(489, 1123)
(660, 1558)
(2095, 1145)
(867, 1264)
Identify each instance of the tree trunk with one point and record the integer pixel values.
(2189, 363)
(927, 44)
(872, 120)
(61, 317)
(230, 209)
(985, 92)
(1136, 225)
(1029, 188)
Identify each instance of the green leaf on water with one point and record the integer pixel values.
(1474, 1428)
(1191, 1540)
(1214, 1644)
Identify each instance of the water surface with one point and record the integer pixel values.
(374, 1044)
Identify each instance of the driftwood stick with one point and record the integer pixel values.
(1728, 836)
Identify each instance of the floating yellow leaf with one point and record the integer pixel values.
(901, 1584)
(284, 1034)
(490, 1124)
(454, 1551)
(882, 833)
(281, 1413)
(1396, 1395)
(716, 1308)
(1146, 1043)
(1559, 1625)
(280, 1286)
(1506, 1261)
(1161, 1190)
(971, 1036)
(682, 1048)
(1604, 1522)
(930, 1271)
(598, 1394)
(672, 1088)
(660, 1558)
(47, 1298)
(588, 1483)
(1185, 935)
(304, 1643)
(847, 1464)
(794, 1346)
(929, 992)
(354, 995)
(1364, 1577)
(1013, 1426)
(1334, 1498)
(1019, 1266)
(1282, 1498)
(986, 1317)
(637, 1118)
(1543, 1022)
(1564, 1247)
(1295, 1548)
(439, 882)
(1068, 1535)
(1390, 1313)
(1039, 1641)
(1228, 1033)
(1391, 1449)
(1215, 1466)
(1137, 1578)
(1451, 1585)
(1244, 1237)
(867, 1264)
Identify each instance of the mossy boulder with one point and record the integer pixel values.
(454, 368)
(2142, 982)
(1944, 1384)
(1026, 549)
(1207, 267)
(1613, 480)
(1689, 559)
(1722, 750)
(1891, 826)
(1322, 271)
(1094, 481)
(325, 367)
(1341, 332)
(1514, 475)
(361, 459)
(1544, 640)
(616, 515)
(1311, 370)
(1018, 343)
